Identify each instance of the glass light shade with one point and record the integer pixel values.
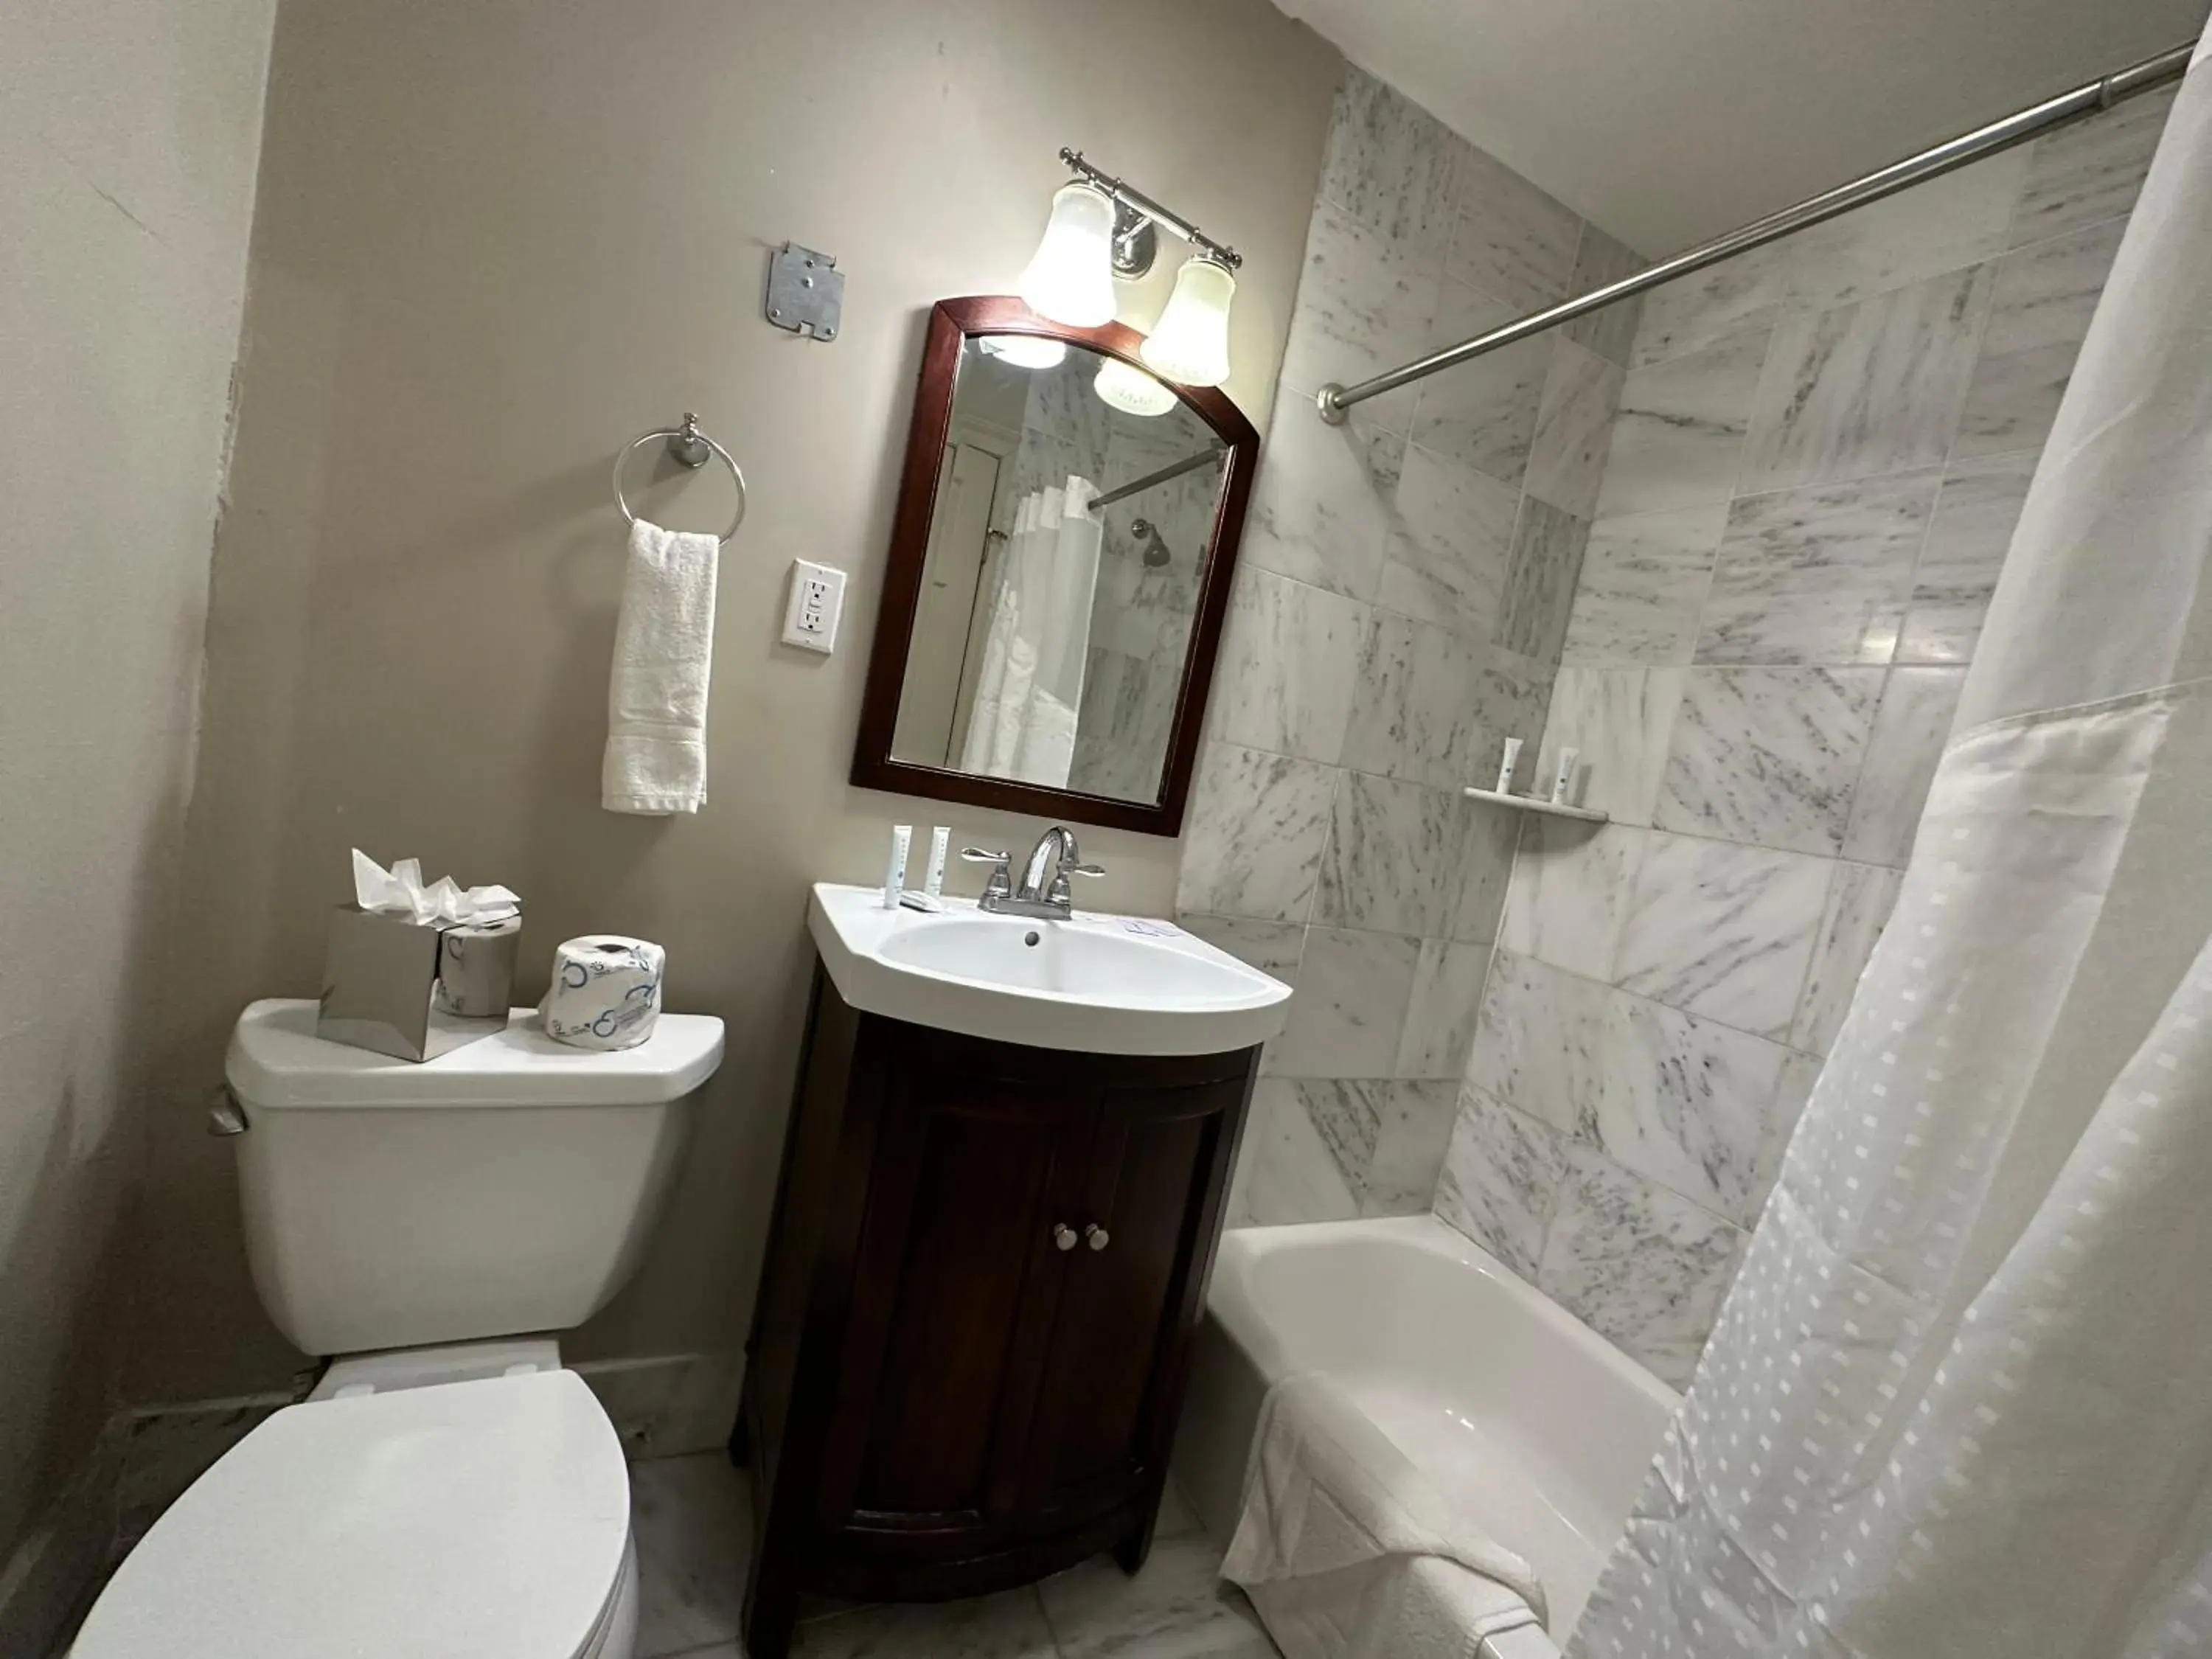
(1131, 390)
(1026, 351)
(1191, 344)
(1071, 278)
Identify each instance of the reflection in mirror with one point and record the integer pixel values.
(1068, 542)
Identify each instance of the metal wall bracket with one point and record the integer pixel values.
(805, 291)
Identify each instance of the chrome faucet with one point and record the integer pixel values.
(1033, 897)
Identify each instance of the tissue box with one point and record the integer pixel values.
(415, 989)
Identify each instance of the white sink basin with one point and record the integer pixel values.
(1098, 984)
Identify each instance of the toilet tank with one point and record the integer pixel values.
(508, 1186)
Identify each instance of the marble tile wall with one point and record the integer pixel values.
(1406, 584)
(1819, 452)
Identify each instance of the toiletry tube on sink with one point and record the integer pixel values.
(1505, 767)
(933, 881)
(894, 872)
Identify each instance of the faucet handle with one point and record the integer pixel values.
(1001, 882)
(1083, 869)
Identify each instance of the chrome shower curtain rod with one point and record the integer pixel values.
(1335, 401)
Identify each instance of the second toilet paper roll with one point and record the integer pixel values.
(605, 991)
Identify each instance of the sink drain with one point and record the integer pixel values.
(1032, 937)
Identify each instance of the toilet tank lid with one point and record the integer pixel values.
(277, 1062)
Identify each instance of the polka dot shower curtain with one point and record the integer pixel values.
(1959, 1405)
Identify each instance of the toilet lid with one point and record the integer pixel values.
(482, 1520)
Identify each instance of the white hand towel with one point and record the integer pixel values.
(656, 759)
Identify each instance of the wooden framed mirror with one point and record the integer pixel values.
(1059, 567)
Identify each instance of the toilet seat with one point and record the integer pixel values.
(477, 1519)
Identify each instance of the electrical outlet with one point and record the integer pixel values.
(817, 599)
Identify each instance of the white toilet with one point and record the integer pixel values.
(448, 1490)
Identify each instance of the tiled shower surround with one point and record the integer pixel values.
(1738, 547)
(1821, 452)
(1404, 588)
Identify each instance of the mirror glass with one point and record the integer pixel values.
(1068, 539)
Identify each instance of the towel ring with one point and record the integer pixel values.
(687, 446)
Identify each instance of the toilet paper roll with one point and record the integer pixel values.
(605, 991)
(476, 968)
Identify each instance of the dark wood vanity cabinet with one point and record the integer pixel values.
(985, 1266)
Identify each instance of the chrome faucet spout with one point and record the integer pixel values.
(1057, 850)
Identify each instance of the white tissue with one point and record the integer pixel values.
(400, 892)
(605, 991)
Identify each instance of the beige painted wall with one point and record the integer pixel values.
(496, 241)
(126, 183)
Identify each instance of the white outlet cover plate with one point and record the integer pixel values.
(817, 600)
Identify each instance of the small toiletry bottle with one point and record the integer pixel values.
(932, 882)
(895, 873)
(1505, 768)
(1564, 778)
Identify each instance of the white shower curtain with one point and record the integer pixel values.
(1959, 1405)
(1022, 723)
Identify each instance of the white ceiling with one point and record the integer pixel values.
(1667, 121)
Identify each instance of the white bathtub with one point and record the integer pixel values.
(1539, 1428)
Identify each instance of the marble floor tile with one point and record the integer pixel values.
(2092, 171)
(1976, 512)
(1539, 582)
(1323, 502)
(1389, 865)
(1416, 1125)
(1688, 1103)
(1290, 666)
(1942, 224)
(1537, 1042)
(2040, 313)
(1569, 892)
(1643, 585)
(1352, 991)
(1483, 413)
(1285, 1172)
(1449, 545)
(1721, 931)
(1859, 900)
(1768, 756)
(1253, 843)
(1643, 1267)
(1417, 683)
(1441, 1015)
(1574, 429)
(1009, 1625)
(1500, 1179)
(1679, 435)
(1599, 259)
(1909, 735)
(1819, 574)
(1512, 240)
(1366, 305)
(1390, 163)
(1177, 1607)
(1864, 389)
(1707, 306)
(1619, 720)
(1484, 865)
(693, 1527)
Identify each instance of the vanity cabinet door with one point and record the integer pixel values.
(1157, 1176)
(955, 1279)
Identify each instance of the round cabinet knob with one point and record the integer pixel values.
(1096, 1236)
(1063, 1236)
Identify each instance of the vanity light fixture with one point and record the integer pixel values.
(1131, 390)
(1101, 228)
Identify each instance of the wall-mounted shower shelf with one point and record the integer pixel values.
(1530, 803)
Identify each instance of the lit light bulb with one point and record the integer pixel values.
(1129, 389)
(1025, 351)
(1191, 344)
(1070, 278)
